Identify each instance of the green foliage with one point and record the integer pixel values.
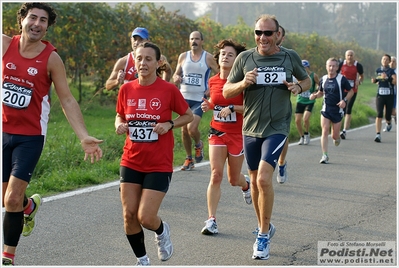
(90, 37)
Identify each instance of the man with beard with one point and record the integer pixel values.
(192, 73)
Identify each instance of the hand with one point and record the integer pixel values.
(121, 77)
(224, 112)
(250, 77)
(341, 104)
(122, 128)
(206, 105)
(91, 148)
(162, 128)
(293, 87)
(177, 79)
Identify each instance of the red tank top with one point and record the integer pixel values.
(26, 86)
(350, 72)
(130, 68)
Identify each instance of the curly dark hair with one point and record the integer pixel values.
(228, 43)
(23, 12)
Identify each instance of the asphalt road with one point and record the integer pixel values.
(353, 198)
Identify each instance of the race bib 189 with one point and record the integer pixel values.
(16, 96)
(271, 75)
(142, 131)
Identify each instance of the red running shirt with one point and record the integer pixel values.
(232, 123)
(26, 86)
(141, 106)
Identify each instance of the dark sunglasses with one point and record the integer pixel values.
(266, 33)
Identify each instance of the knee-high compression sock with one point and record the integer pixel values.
(136, 241)
(13, 224)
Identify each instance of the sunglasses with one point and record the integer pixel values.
(266, 33)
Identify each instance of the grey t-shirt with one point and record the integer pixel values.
(267, 104)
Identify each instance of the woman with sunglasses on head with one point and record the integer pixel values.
(144, 114)
(225, 134)
(264, 75)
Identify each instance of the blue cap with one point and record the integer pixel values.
(305, 63)
(142, 32)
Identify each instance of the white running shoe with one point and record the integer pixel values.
(165, 247)
(143, 261)
(282, 173)
(247, 194)
(272, 230)
(301, 141)
(324, 159)
(261, 248)
(210, 227)
(306, 139)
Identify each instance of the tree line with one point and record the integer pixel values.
(90, 37)
(371, 24)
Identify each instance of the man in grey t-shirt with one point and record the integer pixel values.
(265, 75)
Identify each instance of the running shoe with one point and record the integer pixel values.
(143, 261)
(301, 141)
(272, 230)
(388, 127)
(210, 227)
(7, 262)
(377, 138)
(188, 164)
(165, 247)
(343, 135)
(29, 220)
(324, 159)
(199, 152)
(306, 139)
(282, 173)
(261, 248)
(247, 194)
(337, 142)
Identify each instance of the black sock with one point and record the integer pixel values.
(13, 224)
(25, 201)
(159, 231)
(136, 241)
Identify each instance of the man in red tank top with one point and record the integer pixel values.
(29, 67)
(353, 71)
(124, 69)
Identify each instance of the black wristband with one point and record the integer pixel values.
(172, 123)
(299, 87)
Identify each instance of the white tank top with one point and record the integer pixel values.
(195, 77)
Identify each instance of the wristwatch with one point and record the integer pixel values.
(345, 100)
(231, 107)
(172, 124)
